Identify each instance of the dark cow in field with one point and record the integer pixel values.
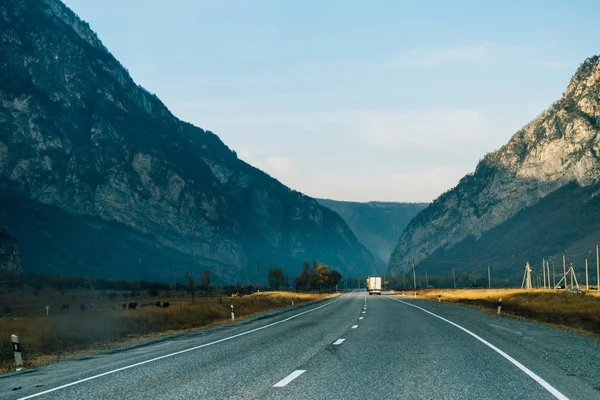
(64, 307)
(157, 304)
(165, 304)
(124, 306)
(132, 306)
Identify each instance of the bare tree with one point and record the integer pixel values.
(191, 286)
(205, 280)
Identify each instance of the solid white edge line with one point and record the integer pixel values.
(338, 342)
(354, 326)
(289, 378)
(517, 364)
(361, 318)
(181, 351)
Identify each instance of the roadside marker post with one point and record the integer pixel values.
(47, 310)
(292, 301)
(439, 298)
(17, 350)
(499, 305)
(232, 313)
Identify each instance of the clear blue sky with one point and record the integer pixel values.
(353, 100)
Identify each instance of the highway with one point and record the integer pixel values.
(353, 346)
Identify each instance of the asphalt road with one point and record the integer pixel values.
(355, 346)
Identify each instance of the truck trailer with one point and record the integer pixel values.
(374, 284)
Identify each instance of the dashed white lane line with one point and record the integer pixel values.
(338, 342)
(361, 318)
(289, 378)
(185, 350)
(364, 312)
(517, 364)
(354, 326)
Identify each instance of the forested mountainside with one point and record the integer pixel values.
(377, 225)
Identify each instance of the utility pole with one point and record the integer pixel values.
(489, 278)
(358, 282)
(174, 279)
(454, 278)
(544, 271)
(573, 271)
(426, 280)
(403, 281)
(257, 277)
(553, 274)
(548, 272)
(565, 269)
(587, 285)
(414, 276)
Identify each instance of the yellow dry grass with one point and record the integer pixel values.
(45, 339)
(557, 307)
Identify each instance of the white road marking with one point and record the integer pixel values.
(182, 351)
(364, 312)
(361, 318)
(289, 378)
(338, 342)
(505, 329)
(517, 364)
(354, 326)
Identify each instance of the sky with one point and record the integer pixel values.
(353, 100)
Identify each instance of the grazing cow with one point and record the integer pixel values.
(157, 304)
(82, 307)
(132, 306)
(165, 304)
(124, 306)
(64, 307)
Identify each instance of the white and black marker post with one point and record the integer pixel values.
(232, 313)
(499, 305)
(17, 350)
(439, 298)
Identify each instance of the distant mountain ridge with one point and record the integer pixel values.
(98, 177)
(377, 225)
(561, 147)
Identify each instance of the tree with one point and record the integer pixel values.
(277, 278)
(205, 280)
(302, 280)
(191, 286)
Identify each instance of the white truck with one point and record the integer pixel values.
(374, 284)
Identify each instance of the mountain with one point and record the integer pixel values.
(522, 201)
(98, 177)
(377, 225)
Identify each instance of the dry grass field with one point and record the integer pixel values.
(105, 323)
(557, 307)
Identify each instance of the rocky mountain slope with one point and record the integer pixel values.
(97, 175)
(558, 148)
(377, 225)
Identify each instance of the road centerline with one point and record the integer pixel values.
(338, 342)
(551, 389)
(289, 378)
(354, 326)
